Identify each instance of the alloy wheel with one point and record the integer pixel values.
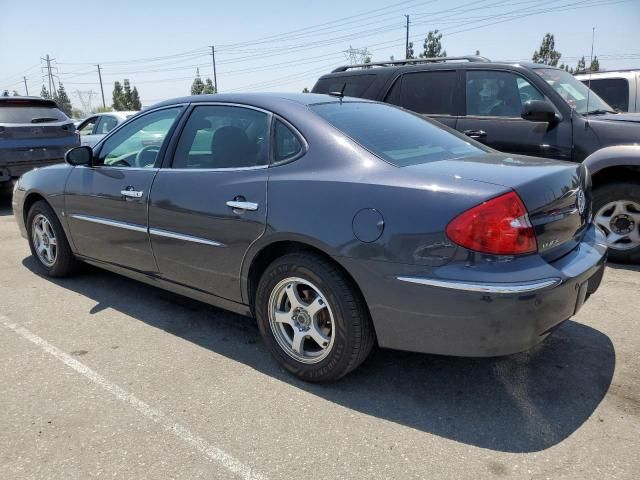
(620, 221)
(44, 240)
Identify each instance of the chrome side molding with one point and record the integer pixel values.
(484, 287)
(187, 238)
(111, 223)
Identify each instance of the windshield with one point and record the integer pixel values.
(399, 137)
(574, 92)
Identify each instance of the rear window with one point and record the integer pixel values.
(354, 85)
(399, 137)
(30, 113)
(614, 91)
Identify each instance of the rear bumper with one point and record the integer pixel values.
(12, 170)
(451, 316)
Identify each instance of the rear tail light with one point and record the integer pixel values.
(499, 226)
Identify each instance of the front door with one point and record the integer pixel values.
(494, 101)
(210, 203)
(106, 204)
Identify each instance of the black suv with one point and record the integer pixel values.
(33, 132)
(521, 108)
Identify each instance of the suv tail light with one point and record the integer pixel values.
(500, 226)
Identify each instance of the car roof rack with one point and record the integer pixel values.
(412, 61)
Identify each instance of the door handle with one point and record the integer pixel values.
(238, 205)
(131, 193)
(475, 134)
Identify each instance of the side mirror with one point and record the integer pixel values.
(79, 156)
(538, 111)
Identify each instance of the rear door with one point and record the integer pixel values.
(106, 204)
(210, 202)
(493, 105)
(433, 93)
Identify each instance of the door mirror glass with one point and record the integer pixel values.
(538, 111)
(79, 156)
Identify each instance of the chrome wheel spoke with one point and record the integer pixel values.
(283, 317)
(297, 342)
(317, 336)
(316, 306)
(294, 296)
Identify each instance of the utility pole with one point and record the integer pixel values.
(406, 48)
(26, 89)
(215, 78)
(104, 105)
(48, 60)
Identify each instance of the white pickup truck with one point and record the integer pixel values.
(619, 88)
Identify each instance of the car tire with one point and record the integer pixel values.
(617, 205)
(50, 247)
(337, 316)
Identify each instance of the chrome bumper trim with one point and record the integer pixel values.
(484, 287)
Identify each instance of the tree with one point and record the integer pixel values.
(197, 86)
(136, 104)
(5, 93)
(305, 90)
(367, 60)
(77, 113)
(126, 95)
(118, 97)
(595, 65)
(581, 67)
(410, 52)
(15, 93)
(208, 88)
(547, 53)
(433, 45)
(478, 52)
(63, 100)
(44, 93)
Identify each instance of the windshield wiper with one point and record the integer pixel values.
(43, 119)
(600, 112)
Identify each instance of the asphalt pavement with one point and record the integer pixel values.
(106, 377)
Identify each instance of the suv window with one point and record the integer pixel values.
(399, 137)
(498, 94)
(138, 143)
(26, 112)
(217, 136)
(425, 92)
(354, 85)
(106, 124)
(286, 143)
(614, 91)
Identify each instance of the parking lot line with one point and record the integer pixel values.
(212, 452)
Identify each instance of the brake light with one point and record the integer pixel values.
(500, 226)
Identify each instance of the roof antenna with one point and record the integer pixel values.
(593, 36)
(339, 94)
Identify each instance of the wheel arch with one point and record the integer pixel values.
(276, 249)
(614, 164)
(29, 200)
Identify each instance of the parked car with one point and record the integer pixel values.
(95, 127)
(521, 108)
(620, 88)
(33, 132)
(335, 221)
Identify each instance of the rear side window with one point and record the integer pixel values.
(354, 85)
(425, 92)
(106, 124)
(399, 137)
(614, 91)
(12, 113)
(286, 143)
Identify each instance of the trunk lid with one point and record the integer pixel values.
(557, 194)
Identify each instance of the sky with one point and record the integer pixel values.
(283, 45)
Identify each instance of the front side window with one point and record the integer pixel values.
(86, 127)
(106, 124)
(138, 143)
(425, 92)
(398, 137)
(573, 91)
(498, 94)
(286, 143)
(220, 136)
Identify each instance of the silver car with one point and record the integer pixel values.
(95, 127)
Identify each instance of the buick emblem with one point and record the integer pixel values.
(581, 202)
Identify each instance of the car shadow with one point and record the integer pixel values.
(622, 266)
(521, 403)
(5, 204)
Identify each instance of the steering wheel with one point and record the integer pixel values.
(145, 151)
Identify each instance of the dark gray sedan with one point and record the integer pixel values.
(338, 223)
